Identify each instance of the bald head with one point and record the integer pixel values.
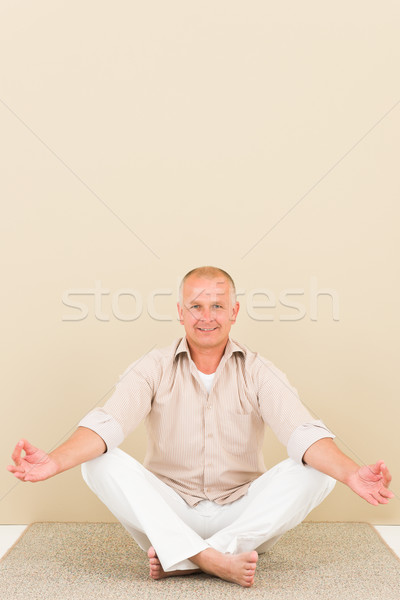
(209, 272)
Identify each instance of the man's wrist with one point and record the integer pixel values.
(56, 458)
(350, 474)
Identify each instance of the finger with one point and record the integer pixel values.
(16, 455)
(29, 449)
(372, 500)
(15, 469)
(386, 493)
(20, 475)
(382, 500)
(386, 475)
(23, 474)
(376, 468)
(379, 498)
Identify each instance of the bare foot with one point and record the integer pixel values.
(237, 568)
(157, 572)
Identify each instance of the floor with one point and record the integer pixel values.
(10, 533)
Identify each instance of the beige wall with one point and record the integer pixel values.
(142, 139)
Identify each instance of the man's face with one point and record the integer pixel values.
(207, 312)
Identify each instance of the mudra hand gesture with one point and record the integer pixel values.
(371, 482)
(35, 465)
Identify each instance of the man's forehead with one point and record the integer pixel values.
(206, 287)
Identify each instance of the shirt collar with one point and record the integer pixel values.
(230, 348)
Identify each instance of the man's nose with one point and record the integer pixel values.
(207, 314)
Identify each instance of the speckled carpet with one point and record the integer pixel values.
(71, 561)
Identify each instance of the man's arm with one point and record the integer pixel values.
(370, 482)
(83, 445)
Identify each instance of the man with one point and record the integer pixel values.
(203, 501)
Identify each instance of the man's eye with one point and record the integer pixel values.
(217, 306)
(195, 306)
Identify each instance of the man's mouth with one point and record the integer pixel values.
(206, 328)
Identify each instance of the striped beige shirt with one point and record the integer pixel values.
(207, 446)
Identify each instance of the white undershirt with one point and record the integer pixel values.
(207, 379)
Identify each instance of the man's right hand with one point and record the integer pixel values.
(36, 465)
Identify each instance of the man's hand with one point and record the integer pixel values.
(83, 445)
(371, 483)
(36, 465)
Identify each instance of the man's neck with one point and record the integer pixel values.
(206, 359)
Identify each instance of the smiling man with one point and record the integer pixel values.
(207, 309)
(203, 500)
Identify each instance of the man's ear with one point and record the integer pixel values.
(235, 310)
(180, 313)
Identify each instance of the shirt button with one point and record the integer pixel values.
(209, 435)
(208, 406)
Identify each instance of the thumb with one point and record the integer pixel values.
(29, 449)
(376, 468)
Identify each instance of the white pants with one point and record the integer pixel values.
(155, 515)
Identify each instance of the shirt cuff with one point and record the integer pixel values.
(105, 426)
(304, 436)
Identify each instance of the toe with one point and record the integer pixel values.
(155, 572)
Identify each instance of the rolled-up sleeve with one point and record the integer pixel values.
(304, 436)
(106, 426)
(287, 416)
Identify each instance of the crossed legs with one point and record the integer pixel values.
(220, 540)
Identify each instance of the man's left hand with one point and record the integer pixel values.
(371, 483)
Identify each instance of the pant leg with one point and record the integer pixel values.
(149, 509)
(277, 501)
(156, 515)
